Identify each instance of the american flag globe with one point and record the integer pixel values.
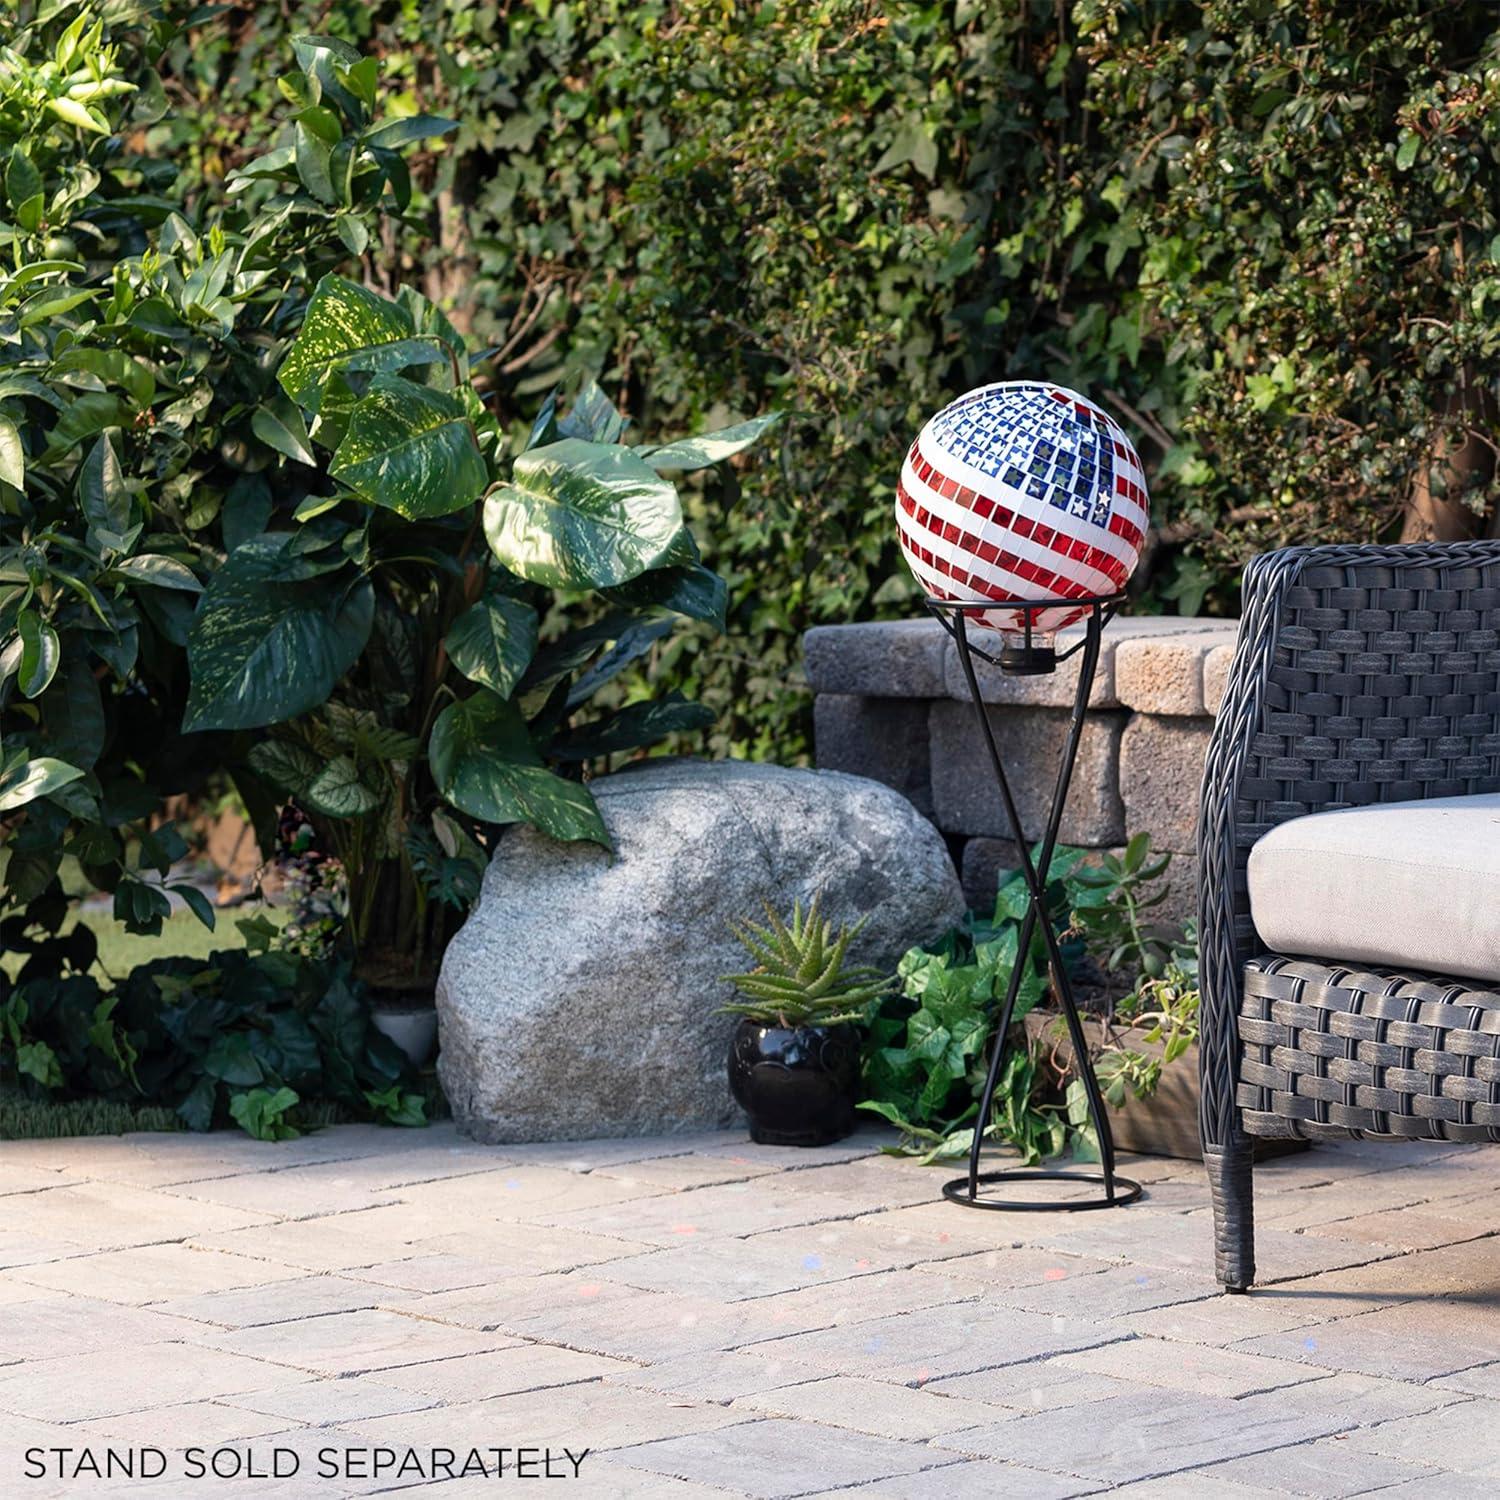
(1022, 490)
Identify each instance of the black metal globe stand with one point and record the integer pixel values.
(1030, 657)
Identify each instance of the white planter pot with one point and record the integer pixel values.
(413, 1031)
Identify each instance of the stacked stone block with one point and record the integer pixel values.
(891, 703)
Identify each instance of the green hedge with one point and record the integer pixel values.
(1263, 231)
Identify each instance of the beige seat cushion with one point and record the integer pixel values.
(1412, 885)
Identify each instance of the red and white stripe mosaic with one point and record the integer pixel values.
(1022, 490)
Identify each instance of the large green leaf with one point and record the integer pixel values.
(408, 128)
(291, 767)
(106, 500)
(338, 791)
(584, 515)
(84, 417)
(696, 591)
(430, 321)
(41, 651)
(12, 454)
(592, 416)
(709, 448)
(160, 571)
(492, 642)
(269, 641)
(350, 327)
(485, 764)
(635, 641)
(568, 652)
(411, 449)
(247, 507)
(108, 366)
(279, 425)
(634, 725)
(72, 714)
(29, 779)
(22, 180)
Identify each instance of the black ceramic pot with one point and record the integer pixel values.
(798, 1084)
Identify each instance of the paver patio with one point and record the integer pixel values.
(708, 1317)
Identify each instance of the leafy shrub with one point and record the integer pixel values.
(206, 405)
(1316, 201)
(260, 518)
(928, 1049)
(1261, 230)
(244, 1036)
(141, 425)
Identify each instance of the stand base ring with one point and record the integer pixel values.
(1127, 1190)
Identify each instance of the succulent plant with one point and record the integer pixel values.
(800, 978)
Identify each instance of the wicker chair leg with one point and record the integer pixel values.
(1234, 1213)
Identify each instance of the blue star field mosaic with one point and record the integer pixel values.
(1035, 444)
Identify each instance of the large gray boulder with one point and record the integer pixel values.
(578, 999)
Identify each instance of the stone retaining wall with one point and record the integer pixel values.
(891, 703)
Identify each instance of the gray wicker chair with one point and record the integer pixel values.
(1362, 674)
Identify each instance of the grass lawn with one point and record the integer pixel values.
(182, 934)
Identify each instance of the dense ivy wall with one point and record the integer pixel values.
(1263, 230)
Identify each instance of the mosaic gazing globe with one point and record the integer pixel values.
(1022, 490)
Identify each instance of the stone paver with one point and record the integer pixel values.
(1439, 1484)
(1036, 1385)
(731, 1209)
(1115, 1291)
(1327, 1469)
(1464, 1438)
(76, 1325)
(110, 1216)
(774, 1458)
(1014, 1266)
(1139, 1435)
(871, 1406)
(973, 1480)
(916, 1347)
(206, 1423)
(1222, 1321)
(1179, 1367)
(503, 1372)
(782, 1261)
(18, 1177)
(688, 1171)
(1394, 1341)
(330, 1400)
(879, 1181)
(1480, 1380)
(715, 1318)
(108, 1381)
(276, 1302)
(719, 1375)
(153, 1273)
(591, 1414)
(607, 1480)
(1421, 1226)
(1185, 1242)
(352, 1343)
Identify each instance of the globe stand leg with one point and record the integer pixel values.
(965, 1190)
